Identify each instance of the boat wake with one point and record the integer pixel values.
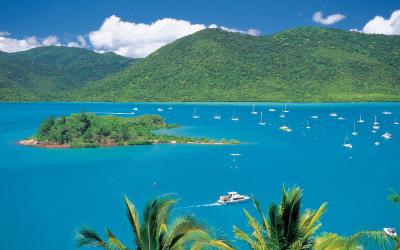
(115, 113)
(204, 205)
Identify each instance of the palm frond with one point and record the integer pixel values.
(372, 238)
(133, 217)
(113, 242)
(331, 241)
(257, 233)
(260, 212)
(291, 214)
(239, 234)
(88, 237)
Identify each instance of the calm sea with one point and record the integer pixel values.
(47, 193)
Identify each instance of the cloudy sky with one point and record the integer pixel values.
(137, 28)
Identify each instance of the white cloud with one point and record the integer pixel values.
(14, 45)
(139, 40)
(380, 25)
(51, 41)
(329, 20)
(79, 43)
(252, 32)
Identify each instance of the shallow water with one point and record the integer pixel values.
(47, 193)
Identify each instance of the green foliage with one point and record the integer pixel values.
(89, 130)
(394, 197)
(53, 73)
(156, 230)
(303, 64)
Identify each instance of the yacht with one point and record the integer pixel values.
(354, 130)
(170, 107)
(314, 116)
(195, 115)
(390, 231)
(262, 122)
(286, 110)
(232, 198)
(373, 131)
(360, 120)
(254, 112)
(271, 110)
(346, 142)
(282, 115)
(217, 116)
(340, 118)
(308, 125)
(160, 110)
(386, 112)
(387, 135)
(376, 122)
(285, 128)
(377, 143)
(234, 117)
(395, 121)
(235, 154)
(333, 114)
(135, 109)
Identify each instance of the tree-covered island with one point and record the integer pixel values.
(90, 130)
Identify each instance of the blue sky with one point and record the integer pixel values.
(68, 19)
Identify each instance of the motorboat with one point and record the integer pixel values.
(333, 114)
(348, 145)
(386, 112)
(135, 109)
(232, 198)
(387, 136)
(377, 143)
(390, 231)
(160, 110)
(271, 110)
(285, 128)
(235, 154)
(314, 116)
(340, 118)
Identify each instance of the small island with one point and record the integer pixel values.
(89, 130)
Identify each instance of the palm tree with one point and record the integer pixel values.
(156, 231)
(286, 227)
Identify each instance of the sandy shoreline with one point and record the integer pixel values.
(34, 143)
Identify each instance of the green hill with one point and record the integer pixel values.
(303, 64)
(53, 73)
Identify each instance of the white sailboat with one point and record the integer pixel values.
(387, 136)
(346, 142)
(285, 128)
(254, 112)
(354, 130)
(195, 115)
(360, 120)
(262, 122)
(286, 110)
(376, 124)
(395, 121)
(282, 115)
(217, 116)
(308, 125)
(234, 117)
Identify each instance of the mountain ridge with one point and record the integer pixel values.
(300, 64)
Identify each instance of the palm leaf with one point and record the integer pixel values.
(88, 237)
(372, 238)
(133, 217)
(113, 242)
(239, 234)
(264, 220)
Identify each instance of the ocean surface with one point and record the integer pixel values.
(46, 194)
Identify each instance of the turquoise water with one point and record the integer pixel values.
(47, 193)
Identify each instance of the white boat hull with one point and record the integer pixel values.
(245, 199)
